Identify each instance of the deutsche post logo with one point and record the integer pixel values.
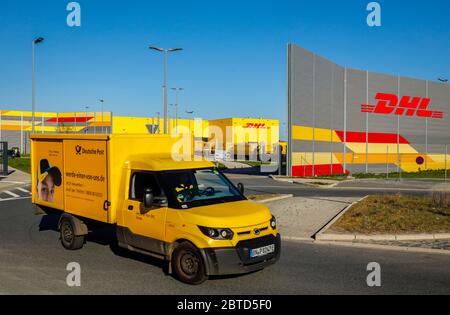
(78, 149)
(408, 106)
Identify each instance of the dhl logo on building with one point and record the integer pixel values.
(255, 126)
(408, 106)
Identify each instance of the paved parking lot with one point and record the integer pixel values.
(32, 260)
(355, 189)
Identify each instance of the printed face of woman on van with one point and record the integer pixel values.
(46, 189)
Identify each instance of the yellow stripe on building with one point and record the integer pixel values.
(318, 134)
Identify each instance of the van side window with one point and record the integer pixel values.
(140, 181)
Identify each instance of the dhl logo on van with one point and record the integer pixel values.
(408, 106)
(255, 125)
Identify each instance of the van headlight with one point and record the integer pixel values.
(217, 234)
(273, 223)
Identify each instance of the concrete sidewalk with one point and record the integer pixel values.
(15, 178)
(234, 164)
(315, 182)
(300, 218)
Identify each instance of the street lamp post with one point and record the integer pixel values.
(173, 115)
(102, 102)
(33, 83)
(176, 105)
(191, 112)
(86, 119)
(159, 121)
(176, 116)
(165, 51)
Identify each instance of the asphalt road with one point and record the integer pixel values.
(255, 185)
(33, 261)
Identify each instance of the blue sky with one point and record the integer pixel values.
(235, 51)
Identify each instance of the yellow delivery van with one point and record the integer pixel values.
(185, 212)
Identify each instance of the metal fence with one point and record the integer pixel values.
(15, 127)
(76, 122)
(391, 161)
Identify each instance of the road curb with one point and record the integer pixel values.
(310, 184)
(292, 181)
(418, 237)
(322, 230)
(385, 247)
(274, 198)
(297, 239)
(383, 237)
(287, 180)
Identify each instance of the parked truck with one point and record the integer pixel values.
(187, 212)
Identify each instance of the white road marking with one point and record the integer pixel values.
(9, 199)
(24, 190)
(12, 182)
(11, 193)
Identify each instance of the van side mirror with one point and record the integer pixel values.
(148, 198)
(240, 187)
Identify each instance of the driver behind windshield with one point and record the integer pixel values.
(185, 188)
(194, 188)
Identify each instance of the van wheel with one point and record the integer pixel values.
(188, 265)
(68, 238)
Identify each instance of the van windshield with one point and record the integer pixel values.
(194, 188)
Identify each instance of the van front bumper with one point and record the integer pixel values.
(237, 260)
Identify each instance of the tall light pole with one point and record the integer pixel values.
(190, 112)
(86, 119)
(33, 83)
(168, 116)
(174, 115)
(165, 51)
(102, 102)
(159, 120)
(177, 90)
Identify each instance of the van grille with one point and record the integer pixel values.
(249, 232)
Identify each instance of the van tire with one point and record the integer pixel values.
(188, 265)
(67, 234)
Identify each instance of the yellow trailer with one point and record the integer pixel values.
(185, 212)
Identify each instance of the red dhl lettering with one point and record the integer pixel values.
(408, 106)
(255, 125)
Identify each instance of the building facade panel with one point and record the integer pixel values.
(362, 120)
(356, 91)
